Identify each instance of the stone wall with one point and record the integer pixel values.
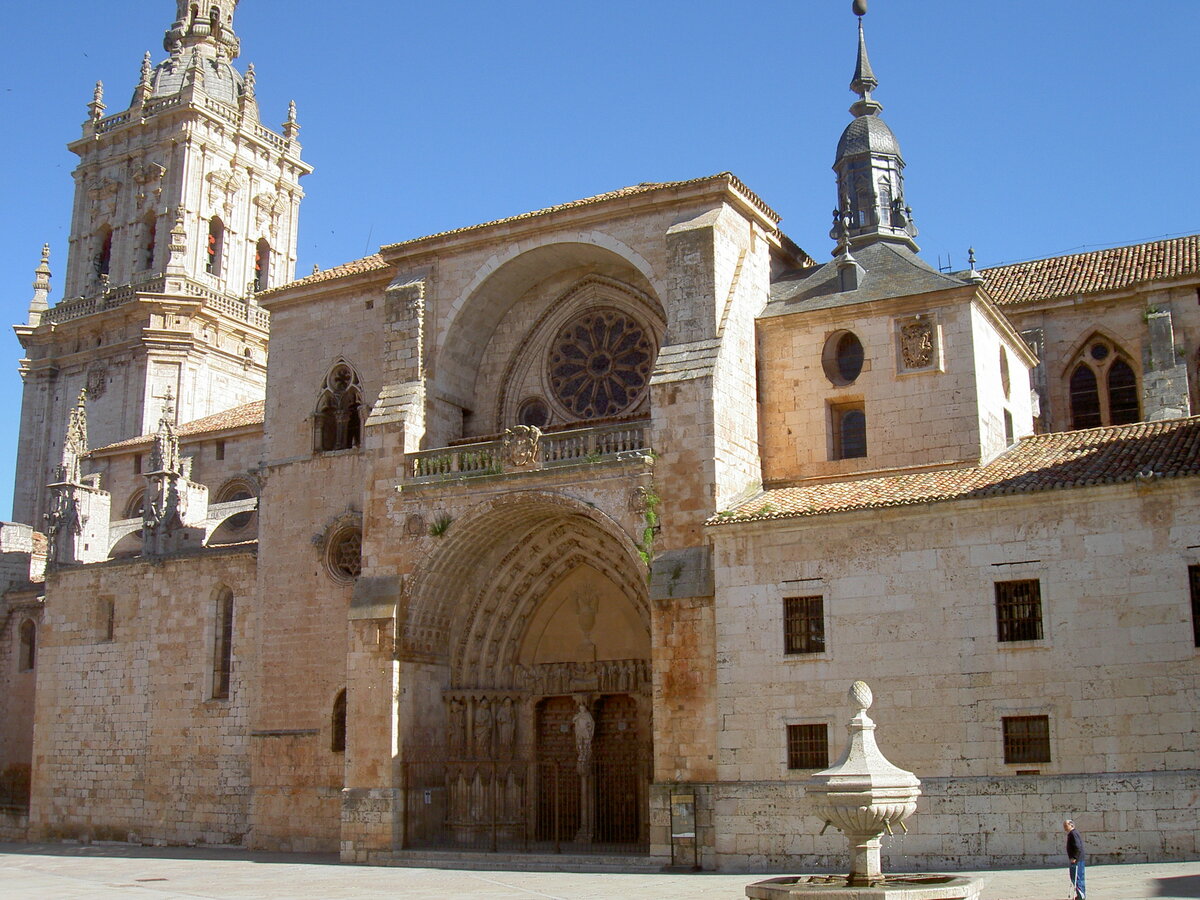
(909, 606)
(1122, 317)
(918, 414)
(130, 743)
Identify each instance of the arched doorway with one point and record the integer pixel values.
(545, 690)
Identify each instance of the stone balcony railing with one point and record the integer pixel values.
(527, 449)
(109, 297)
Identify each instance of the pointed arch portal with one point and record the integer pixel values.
(528, 636)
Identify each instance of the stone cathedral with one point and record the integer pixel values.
(564, 534)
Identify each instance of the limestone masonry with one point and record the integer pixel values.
(566, 533)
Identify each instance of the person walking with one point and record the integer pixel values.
(1076, 856)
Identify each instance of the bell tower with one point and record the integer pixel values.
(185, 207)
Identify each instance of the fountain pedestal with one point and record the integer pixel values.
(864, 795)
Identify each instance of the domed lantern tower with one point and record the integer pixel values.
(869, 167)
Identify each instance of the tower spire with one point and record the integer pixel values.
(864, 80)
(869, 166)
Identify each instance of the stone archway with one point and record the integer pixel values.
(558, 623)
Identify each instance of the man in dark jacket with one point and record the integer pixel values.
(1076, 855)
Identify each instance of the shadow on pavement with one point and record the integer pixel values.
(117, 850)
(1179, 886)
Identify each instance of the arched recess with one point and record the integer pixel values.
(533, 274)
(624, 329)
(241, 526)
(469, 605)
(532, 616)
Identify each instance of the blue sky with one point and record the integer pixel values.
(1029, 128)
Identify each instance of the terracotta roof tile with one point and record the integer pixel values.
(372, 263)
(1095, 272)
(632, 190)
(1146, 450)
(237, 417)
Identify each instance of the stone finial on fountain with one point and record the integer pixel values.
(863, 794)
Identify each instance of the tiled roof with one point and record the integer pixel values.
(1145, 451)
(238, 417)
(889, 270)
(1095, 272)
(632, 190)
(372, 263)
(375, 261)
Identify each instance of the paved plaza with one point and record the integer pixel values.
(99, 871)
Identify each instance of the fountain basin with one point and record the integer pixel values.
(893, 887)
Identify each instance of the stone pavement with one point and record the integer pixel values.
(101, 871)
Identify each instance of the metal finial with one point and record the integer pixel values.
(859, 7)
(971, 256)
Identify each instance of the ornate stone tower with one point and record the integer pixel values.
(185, 206)
(869, 168)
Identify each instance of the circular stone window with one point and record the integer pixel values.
(344, 556)
(599, 364)
(533, 411)
(843, 358)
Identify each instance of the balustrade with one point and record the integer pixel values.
(525, 449)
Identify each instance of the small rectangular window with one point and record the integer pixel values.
(220, 450)
(803, 625)
(808, 746)
(1019, 610)
(848, 422)
(1026, 739)
(137, 464)
(1009, 433)
(1194, 578)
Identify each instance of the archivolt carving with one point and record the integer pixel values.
(546, 537)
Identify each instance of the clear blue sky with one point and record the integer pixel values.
(1030, 128)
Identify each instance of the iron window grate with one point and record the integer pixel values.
(808, 746)
(803, 625)
(1019, 610)
(1026, 739)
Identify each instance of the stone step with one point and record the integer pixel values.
(522, 862)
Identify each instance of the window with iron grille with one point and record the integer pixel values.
(1194, 578)
(803, 625)
(1019, 610)
(808, 746)
(1026, 739)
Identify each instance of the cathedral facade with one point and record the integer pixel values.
(566, 533)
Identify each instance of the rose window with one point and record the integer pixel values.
(600, 363)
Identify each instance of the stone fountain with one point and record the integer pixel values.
(863, 795)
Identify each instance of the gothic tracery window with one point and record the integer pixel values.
(344, 553)
(1103, 387)
(337, 422)
(599, 364)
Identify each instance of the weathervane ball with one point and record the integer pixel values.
(859, 7)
